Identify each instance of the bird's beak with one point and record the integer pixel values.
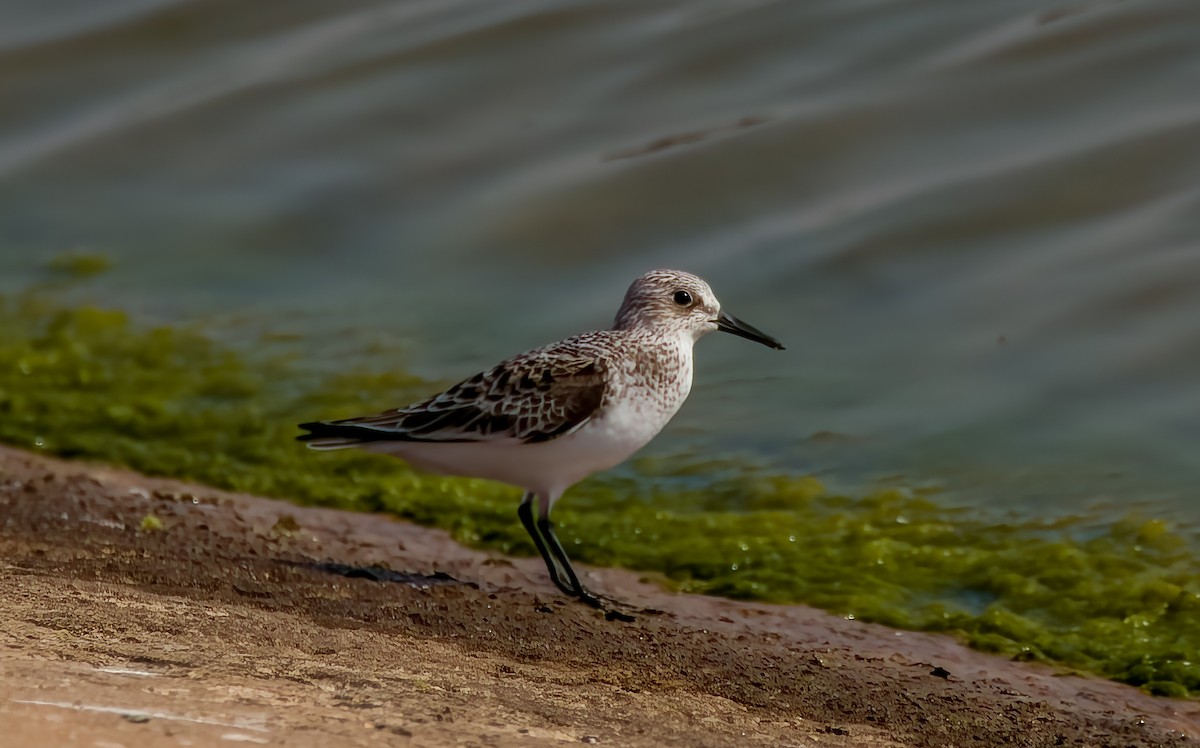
(729, 323)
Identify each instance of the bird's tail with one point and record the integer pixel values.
(324, 436)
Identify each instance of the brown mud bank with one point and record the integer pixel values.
(145, 612)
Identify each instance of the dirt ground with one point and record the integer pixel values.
(234, 623)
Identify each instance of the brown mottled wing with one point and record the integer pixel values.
(531, 398)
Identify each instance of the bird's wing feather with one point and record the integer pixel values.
(530, 398)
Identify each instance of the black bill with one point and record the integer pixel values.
(729, 323)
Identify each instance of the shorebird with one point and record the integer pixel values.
(546, 419)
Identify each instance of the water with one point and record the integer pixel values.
(974, 224)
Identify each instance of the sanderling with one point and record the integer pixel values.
(545, 420)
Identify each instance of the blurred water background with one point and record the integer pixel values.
(975, 225)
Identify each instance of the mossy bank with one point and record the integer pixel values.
(1118, 598)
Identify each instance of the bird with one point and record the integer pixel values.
(545, 419)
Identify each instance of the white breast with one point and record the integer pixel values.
(641, 401)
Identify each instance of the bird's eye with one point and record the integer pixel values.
(683, 298)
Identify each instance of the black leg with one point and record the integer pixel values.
(556, 548)
(525, 512)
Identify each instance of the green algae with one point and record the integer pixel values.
(150, 523)
(79, 264)
(1121, 599)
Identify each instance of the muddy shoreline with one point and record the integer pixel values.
(226, 618)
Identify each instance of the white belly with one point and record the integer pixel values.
(548, 468)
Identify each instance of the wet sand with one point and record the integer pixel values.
(234, 622)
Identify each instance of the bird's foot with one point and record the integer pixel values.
(588, 598)
(608, 605)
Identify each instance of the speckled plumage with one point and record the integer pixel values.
(546, 419)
